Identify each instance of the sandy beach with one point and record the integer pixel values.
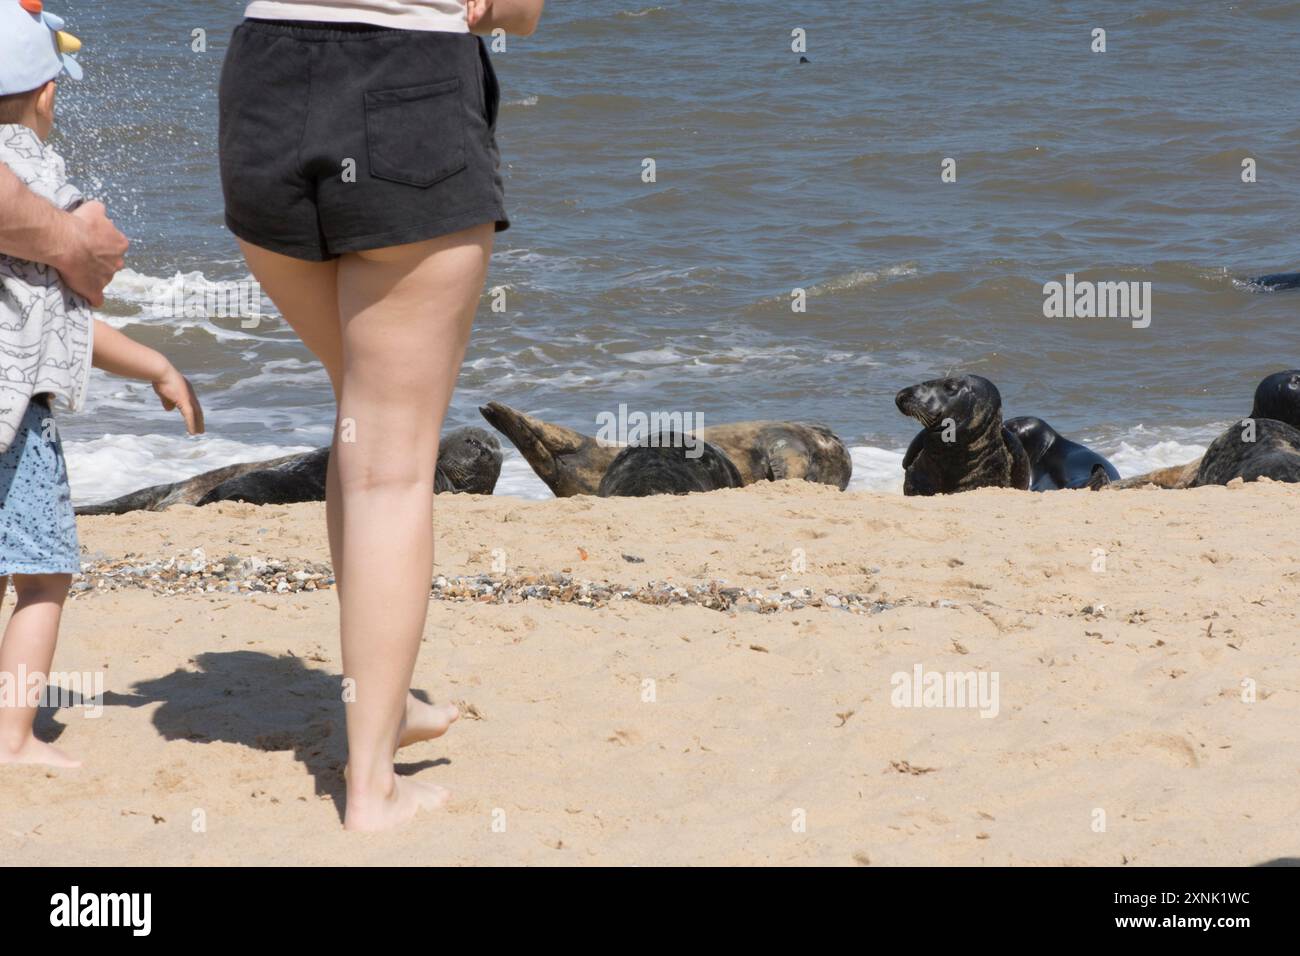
(607, 729)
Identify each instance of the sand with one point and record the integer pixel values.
(638, 734)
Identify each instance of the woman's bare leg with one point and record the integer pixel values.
(407, 313)
(306, 293)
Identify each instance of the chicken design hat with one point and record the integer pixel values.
(34, 48)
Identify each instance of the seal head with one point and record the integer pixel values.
(1278, 398)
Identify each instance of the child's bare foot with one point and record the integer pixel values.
(407, 798)
(33, 751)
(425, 721)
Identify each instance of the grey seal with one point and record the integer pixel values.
(963, 444)
(469, 461)
(668, 465)
(571, 463)
(1055, 461)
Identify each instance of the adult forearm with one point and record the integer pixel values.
(84, 245)
(517, 17)
(30, 227)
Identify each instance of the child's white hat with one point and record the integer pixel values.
(34, 49)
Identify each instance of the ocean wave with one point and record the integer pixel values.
(647, 12)
(859, 278)
(112, 465)
(159, 301)
(518, 480)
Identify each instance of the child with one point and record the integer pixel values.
(48, 341)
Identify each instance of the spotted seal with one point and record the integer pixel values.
(668, 464)
(1277, 399)
(571, 463)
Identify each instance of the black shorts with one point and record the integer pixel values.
(344, 137)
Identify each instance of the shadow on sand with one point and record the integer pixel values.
(258, 701)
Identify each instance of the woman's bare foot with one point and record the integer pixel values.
(406, 798)
(425, 721)
(33, 751)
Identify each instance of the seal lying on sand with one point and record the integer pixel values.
(666, 465)
(1055, 461)
(469, 460)
(1273, 453)
(1277, 398)
(572, 463)
(964, 444)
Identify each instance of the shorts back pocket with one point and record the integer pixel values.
(416, 135)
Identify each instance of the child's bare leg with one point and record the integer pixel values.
(26, 654)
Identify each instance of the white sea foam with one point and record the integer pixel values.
(518, 480)
(862, 277)
(876, 469)
(109, 466)
(1133, 460)
(146, 291)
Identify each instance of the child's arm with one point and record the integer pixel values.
(115, 353)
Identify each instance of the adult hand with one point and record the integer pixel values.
(94, 252)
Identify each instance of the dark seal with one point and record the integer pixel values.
(1277, 282)
(1252, 449)
(963, 444)
(1278, 397)
(1232, 455)
(1055, 461)
(668, 465)
(469, 461)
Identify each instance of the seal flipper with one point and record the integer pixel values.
(1022, 471)
(570, 462)
(1098, 479)
(784, 462)
(914, 449)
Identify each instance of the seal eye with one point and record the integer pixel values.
(950, 386)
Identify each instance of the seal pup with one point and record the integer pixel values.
(670, 464)
(571, 463)
(1277, 398)
(469, 461)
(1174, 476)
(1055, 461)
(963, 444)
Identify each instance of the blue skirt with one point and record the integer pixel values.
(38, 531)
